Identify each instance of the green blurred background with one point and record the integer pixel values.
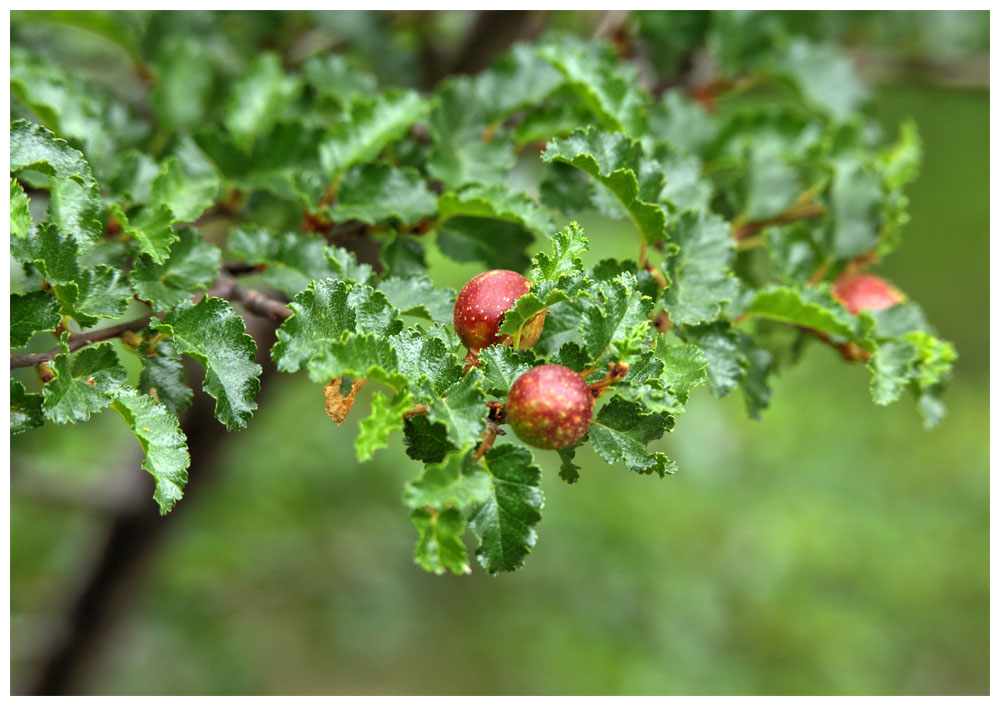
(834, 547)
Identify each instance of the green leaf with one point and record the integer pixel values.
(372, 311)
(20, 213)
(333, 76)
(162, 376)
(505, 521)
(498, 202)
(808, 308)
(162, 441)
(258, 98)
(458, 481)
(320, 316)
(855, 196)
(622, 430)
(183, 90)
(617, 317)
(684, 367)
(824, 77)
(371, 125)
(214, 335)
(700, 274)
(192, 267)
(461, 408)
(422, 357)
(186, 195)
(32, 313)
(417, 296)
(85, 385)
(293, 260)
(719, 342)
(345, 265)
(567, 247)
(25, 409)
(891, 366)
(616, 162)
(385, 417)
(569, 471)
(609, 89)
(502, 365)
(380, 192)
(440, 546)
(74, 203)
(425, 441)
(99, 292)
(358, 356)
(53, 252)
(152, 228)
(498, 244)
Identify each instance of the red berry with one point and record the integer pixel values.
(865, 292)
(482, 303)
(550, 407)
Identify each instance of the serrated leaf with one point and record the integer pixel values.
(334, 76)
(425, 441)
(258, 97)
(372, 311)
(568, 470)
(320, 316)
(457, 481)
(615, 161)
(183, 88)
(32, 313)
(495, 201)
(700, 274)
(425, 357)
(824, 77)
(617, 315)
(192, 266)
(358, 356)
(684, 367)
(498, 244)
(891, 366)
(622, 430)
(610, 89)
(386, 416)
(293, 260)
(99, 292)
(162, 376)
(756, 391)
(417, 296)
(440, 546)
(567, 247)
(186, 195)
(502, 365)
(720, 344)
(855, 196)
(152, 228)
(25, 409)
(346, 266)
(214, 335)
(74, 202)
(371, 125)
(505, 521)
(85, 385)
(809, 308)
(162, 441)
(380, 192)
(20, 213)
(461, 408)
(403, 257)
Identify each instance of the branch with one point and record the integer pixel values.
(252, 300)
(796, 214)
(79, 341)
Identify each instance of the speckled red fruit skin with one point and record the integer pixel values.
(865, 292)
(483, 301)
(550, 407)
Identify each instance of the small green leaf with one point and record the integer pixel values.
(258, 98)
(380, 192)
(425, 357)
(162, 376)
(320, 316)
(417, 296)
(622, 430)
(498, 244)
(461, 408)
(186, 195)
(293, 260)
(505, 521)
(425, 441)
(214, 335)
(502, 365)
(498, 202)
(100, 292)
(32, 313)
(457, 481)
(700, 274)
(371, 125)
(192, 266)
(152, 228)
(85, 385)
(385, 417)
(809, 308)
(162, 441)
(25, 409)
(439, 547)
(20, 213)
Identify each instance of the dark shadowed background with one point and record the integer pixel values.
(834, 547)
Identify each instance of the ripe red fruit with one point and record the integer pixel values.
(865, 292)
(549, 407)
(481, 305)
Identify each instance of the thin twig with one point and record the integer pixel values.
(79, 341)
(797, 214)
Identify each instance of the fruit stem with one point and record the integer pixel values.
(616, 372)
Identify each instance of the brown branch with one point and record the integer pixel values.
(79, 341)
(796, 214)
(252, 300)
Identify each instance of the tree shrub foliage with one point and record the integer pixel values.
(742, 199)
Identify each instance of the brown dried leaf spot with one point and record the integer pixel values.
(338, 405)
